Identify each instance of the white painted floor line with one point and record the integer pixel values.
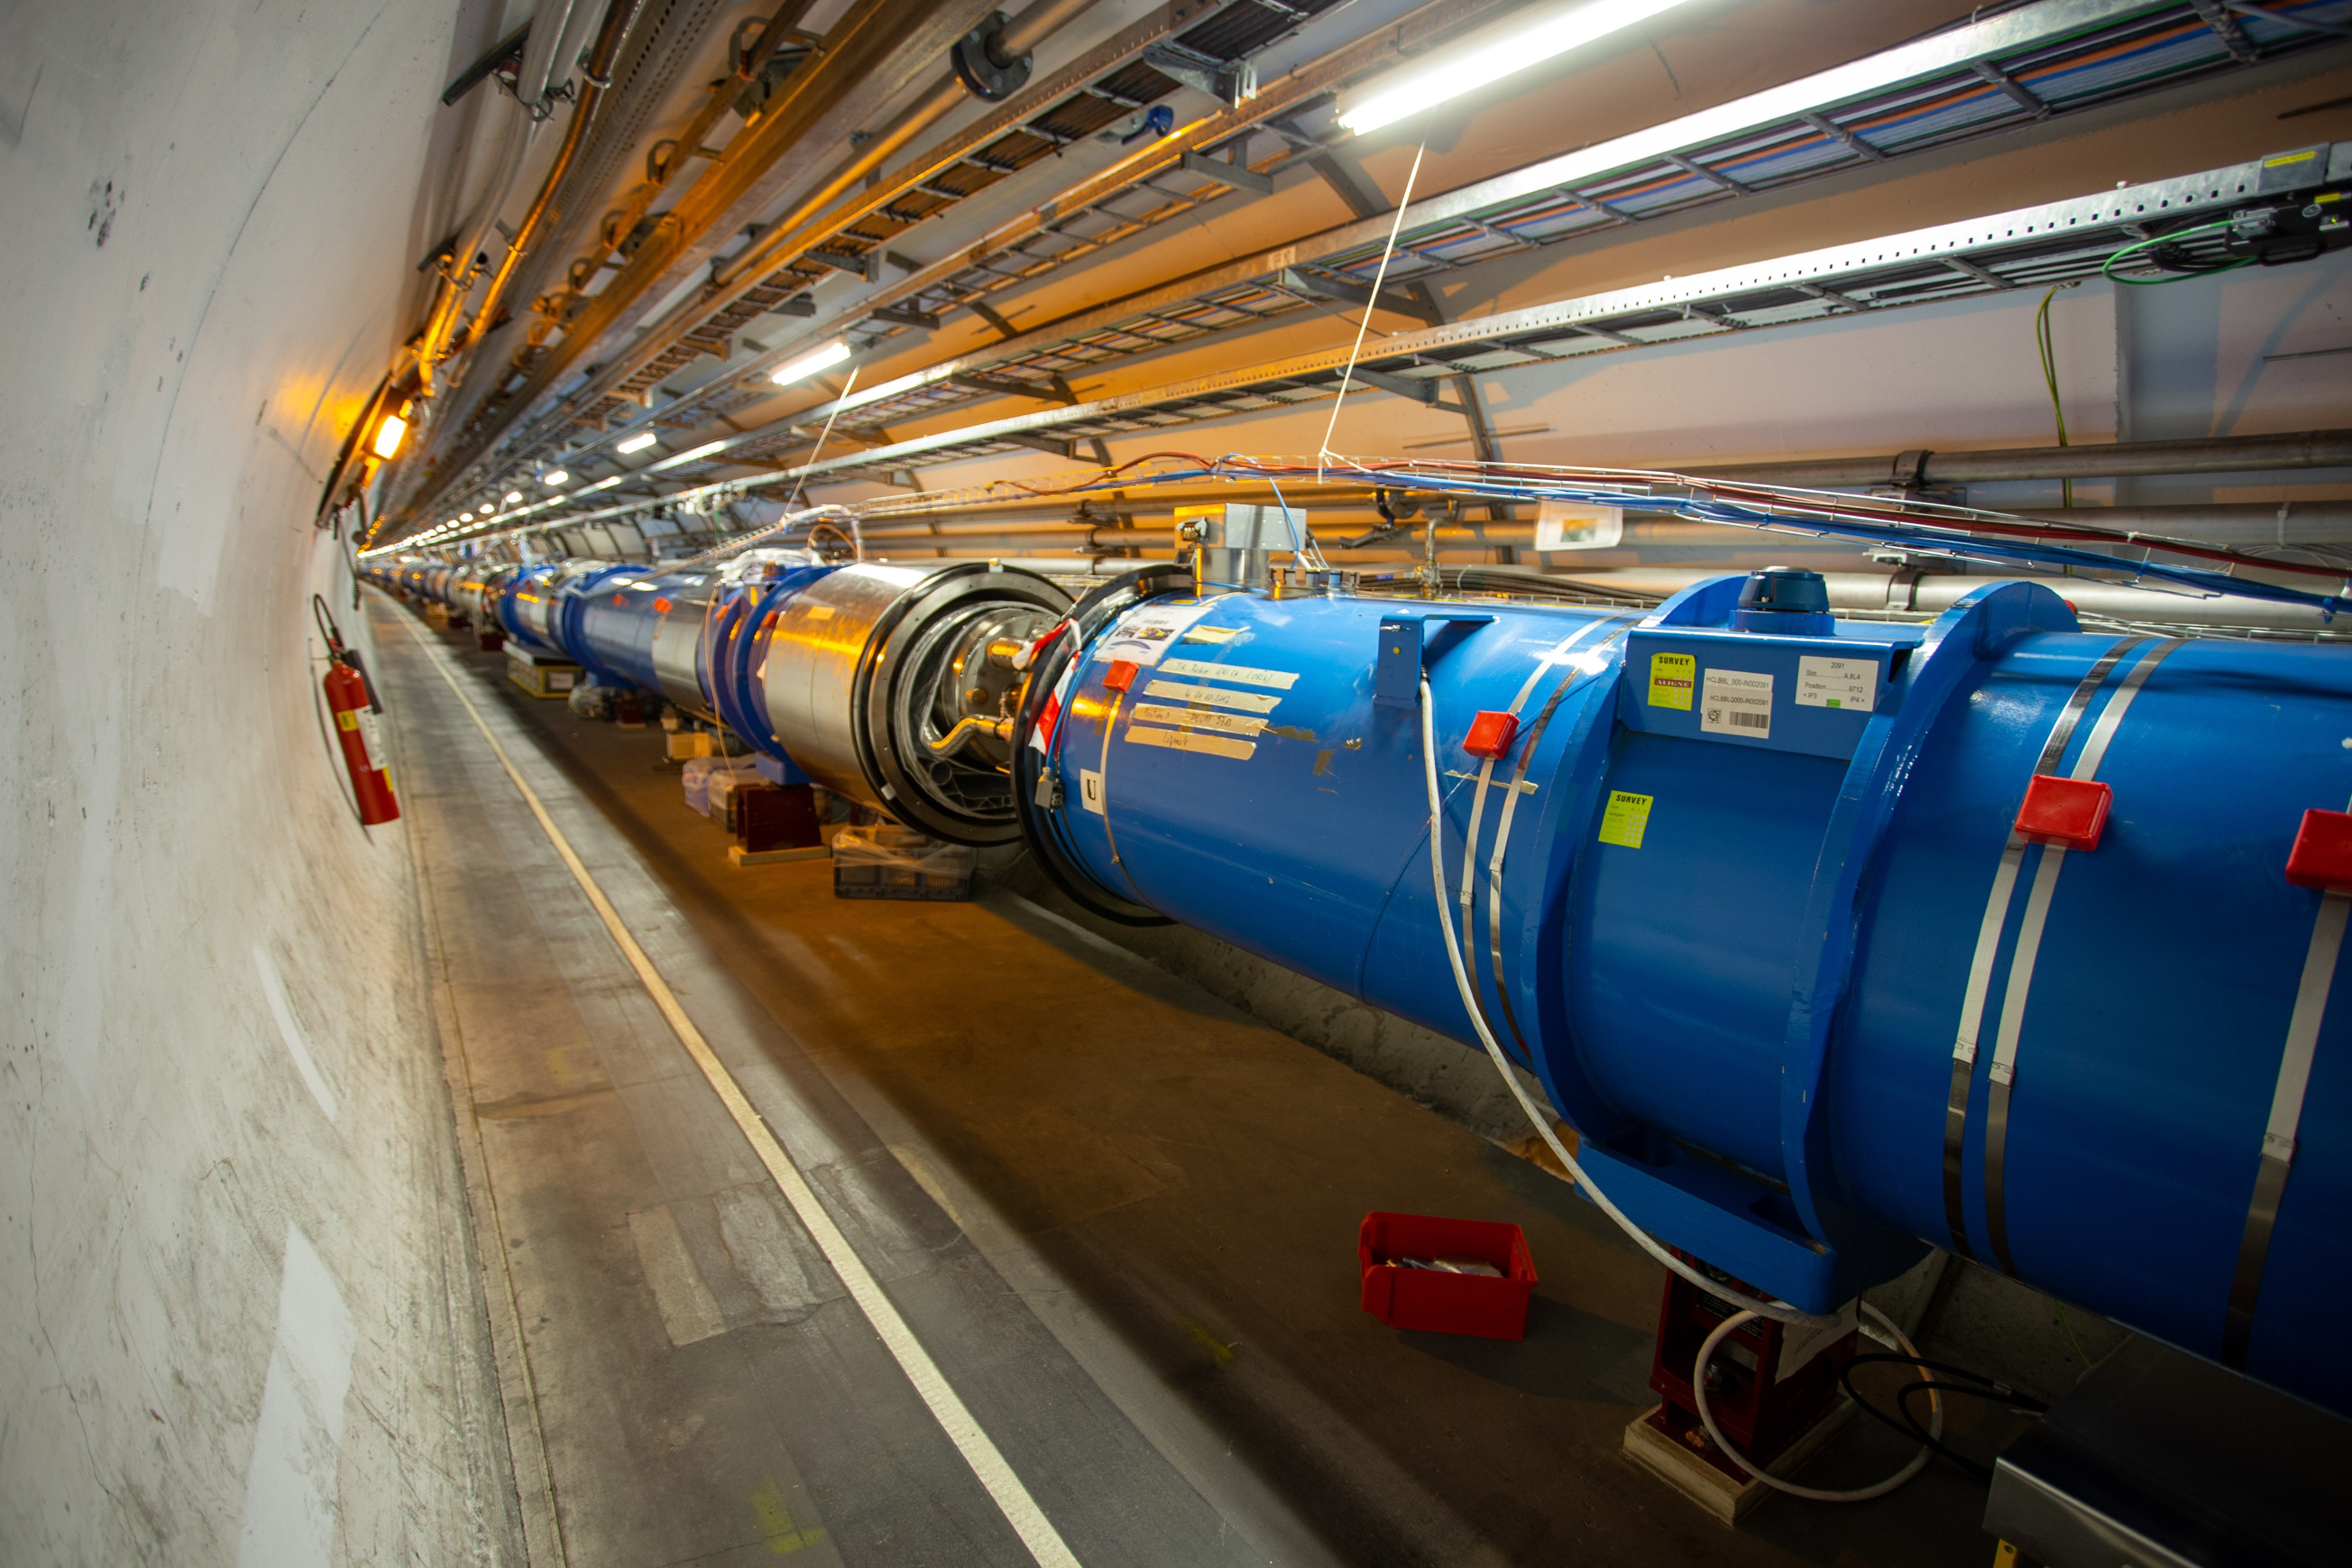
(1021, 1510)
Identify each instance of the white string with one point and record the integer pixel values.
(1361, 327)
(822, 437)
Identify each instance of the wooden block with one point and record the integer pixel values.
(1690, 1473)
(738, 856)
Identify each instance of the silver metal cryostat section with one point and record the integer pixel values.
(894, 685)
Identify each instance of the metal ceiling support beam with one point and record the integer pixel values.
(1422, 391)
(2225, 28)
(1874, 111)
(1354, 294)
(861, 44)
(802, 234)
(2038, 245)
(1910, 98)
(1238, 177)
(1288, 95)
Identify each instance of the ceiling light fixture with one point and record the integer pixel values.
(513, 496)
(637, 443)
(809, 363)
(389, 434)
(554, 477)
(1491, 55)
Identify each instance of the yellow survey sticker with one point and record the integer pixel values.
(1672, 677)
(1626, 819)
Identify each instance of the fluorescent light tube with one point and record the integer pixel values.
(1490, 56)
(554, 477)
(809, 363)
(637, 443)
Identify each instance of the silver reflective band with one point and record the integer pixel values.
(1996, 916)
(1503, 829)
(2285, 1121)
(2029, 948)
(1559, 655)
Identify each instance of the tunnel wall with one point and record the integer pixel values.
(239, 1314)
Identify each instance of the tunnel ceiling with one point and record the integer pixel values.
(1165, 218)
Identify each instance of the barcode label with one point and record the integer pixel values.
(1735, 702)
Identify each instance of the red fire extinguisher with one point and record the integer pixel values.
(351, 698)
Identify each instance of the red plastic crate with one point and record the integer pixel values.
(1446, 1303)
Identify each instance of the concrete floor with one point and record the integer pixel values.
(1120, 1215)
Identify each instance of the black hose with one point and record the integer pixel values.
(1974, 1384)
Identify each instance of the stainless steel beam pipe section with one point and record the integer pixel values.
(2114, 459)
(869, 667)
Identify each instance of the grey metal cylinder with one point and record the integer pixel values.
(870, 665)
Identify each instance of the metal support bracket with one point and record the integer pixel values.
(1423, 391)
(1231, 85)
(1409, 643)
(1234, 174)
(1321, 288)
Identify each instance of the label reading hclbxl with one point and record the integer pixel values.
(1737, 702)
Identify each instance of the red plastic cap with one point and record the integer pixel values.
(1120, 676)
(1491, 735)
(2069, 812)
(2322, 856)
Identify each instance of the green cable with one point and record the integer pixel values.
(2050, 379)
(2108, 267)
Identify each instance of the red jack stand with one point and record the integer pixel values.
(1777, 1420)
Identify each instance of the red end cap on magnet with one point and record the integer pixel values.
(1491, 735)
(2322, 856)
(2072, 812)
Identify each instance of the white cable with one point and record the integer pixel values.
(1779, 1311)
(1379, 278)
(1860, 1494)
(818, 450)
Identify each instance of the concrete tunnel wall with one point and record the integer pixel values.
(240, 1313)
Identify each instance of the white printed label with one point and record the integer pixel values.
(1737, 702)
(1240, 673)
(1213, 696)
(1563, 525)
(1837, 683)
(1198, 719)
(1090, 790)
(1150, 631)
(370, 739)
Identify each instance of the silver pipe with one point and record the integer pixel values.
(2114, 459)
(548, 21)
(1933, 593)
(967, 729)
